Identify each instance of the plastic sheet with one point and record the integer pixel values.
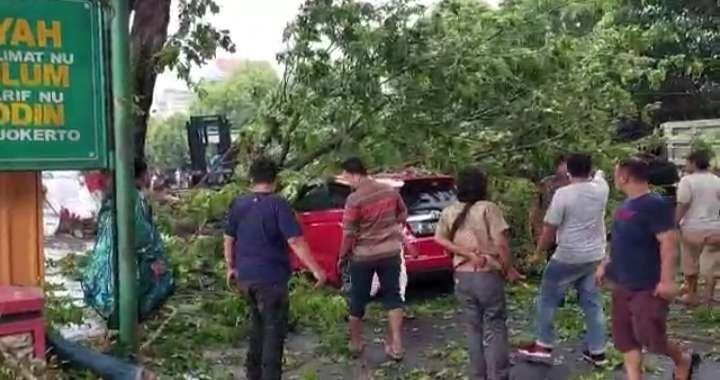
(155, 276)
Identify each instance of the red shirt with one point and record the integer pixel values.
(374, 216)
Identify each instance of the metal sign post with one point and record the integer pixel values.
(53, 109)
(124, 186)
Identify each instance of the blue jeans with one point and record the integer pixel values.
(557, 280)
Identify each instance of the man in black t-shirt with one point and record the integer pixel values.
(261, 229)
(641, 269)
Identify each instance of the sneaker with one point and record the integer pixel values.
(598, 360)
(537, 351)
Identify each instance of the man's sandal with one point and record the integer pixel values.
(356, 351)
(392, 354)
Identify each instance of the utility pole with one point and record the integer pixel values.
(124, 183)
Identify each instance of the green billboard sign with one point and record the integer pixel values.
(52, 85)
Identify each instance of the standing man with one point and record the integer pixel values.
(641, 270)
(261, 229)
(698, 215)
(544, 195)
(576, 219)
(373, 221)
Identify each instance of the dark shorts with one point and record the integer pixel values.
(361, 275)
(639, 320)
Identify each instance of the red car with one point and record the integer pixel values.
(320, 209)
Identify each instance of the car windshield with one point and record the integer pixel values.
(427, 195)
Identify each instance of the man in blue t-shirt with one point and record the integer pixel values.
(261, 229)
(641, 271)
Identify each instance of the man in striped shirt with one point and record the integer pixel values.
(373, 223)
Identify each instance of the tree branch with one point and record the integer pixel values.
(484, 155)
(334, 142)
(288, 139)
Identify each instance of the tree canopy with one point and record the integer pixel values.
(240, 96)
(167, 146)
(453, 84)
(460, 83)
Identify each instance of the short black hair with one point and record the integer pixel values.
(579, 165)
(263, 170)
(700, 158)
(472, 185)
(354, 165)
(141, 168)
(636, 167)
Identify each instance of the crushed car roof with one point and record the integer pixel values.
(398, 178)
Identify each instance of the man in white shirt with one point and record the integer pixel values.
(576, 222)
(698, 215)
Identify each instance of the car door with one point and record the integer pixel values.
(319, 209)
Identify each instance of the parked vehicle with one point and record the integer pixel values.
(680, 136)
(320, 208)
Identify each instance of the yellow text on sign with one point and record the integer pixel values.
(18, 32)
(34, 75)
(32, 115)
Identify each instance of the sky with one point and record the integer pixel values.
(256, 27)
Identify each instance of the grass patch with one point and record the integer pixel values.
(453, 354)
(443, 307)
(322, 311)
(70, 266)
(204, 315)
(393, 371)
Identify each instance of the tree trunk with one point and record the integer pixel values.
(147, 38)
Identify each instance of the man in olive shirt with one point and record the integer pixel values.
(543, 196)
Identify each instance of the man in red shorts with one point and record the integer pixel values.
(641, 271)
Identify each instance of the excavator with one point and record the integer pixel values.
(211, 155)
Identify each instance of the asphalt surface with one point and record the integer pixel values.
(424, 337)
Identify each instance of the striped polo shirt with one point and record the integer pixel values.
(374, 215)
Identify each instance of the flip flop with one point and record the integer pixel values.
(356, 352)
(395, 356)
(695, 361)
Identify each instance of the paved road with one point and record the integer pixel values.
(426, 338)
(56, 248)
(568, 363)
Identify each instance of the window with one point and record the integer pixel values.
(319, 197)
(425, 201)
(423, 196)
